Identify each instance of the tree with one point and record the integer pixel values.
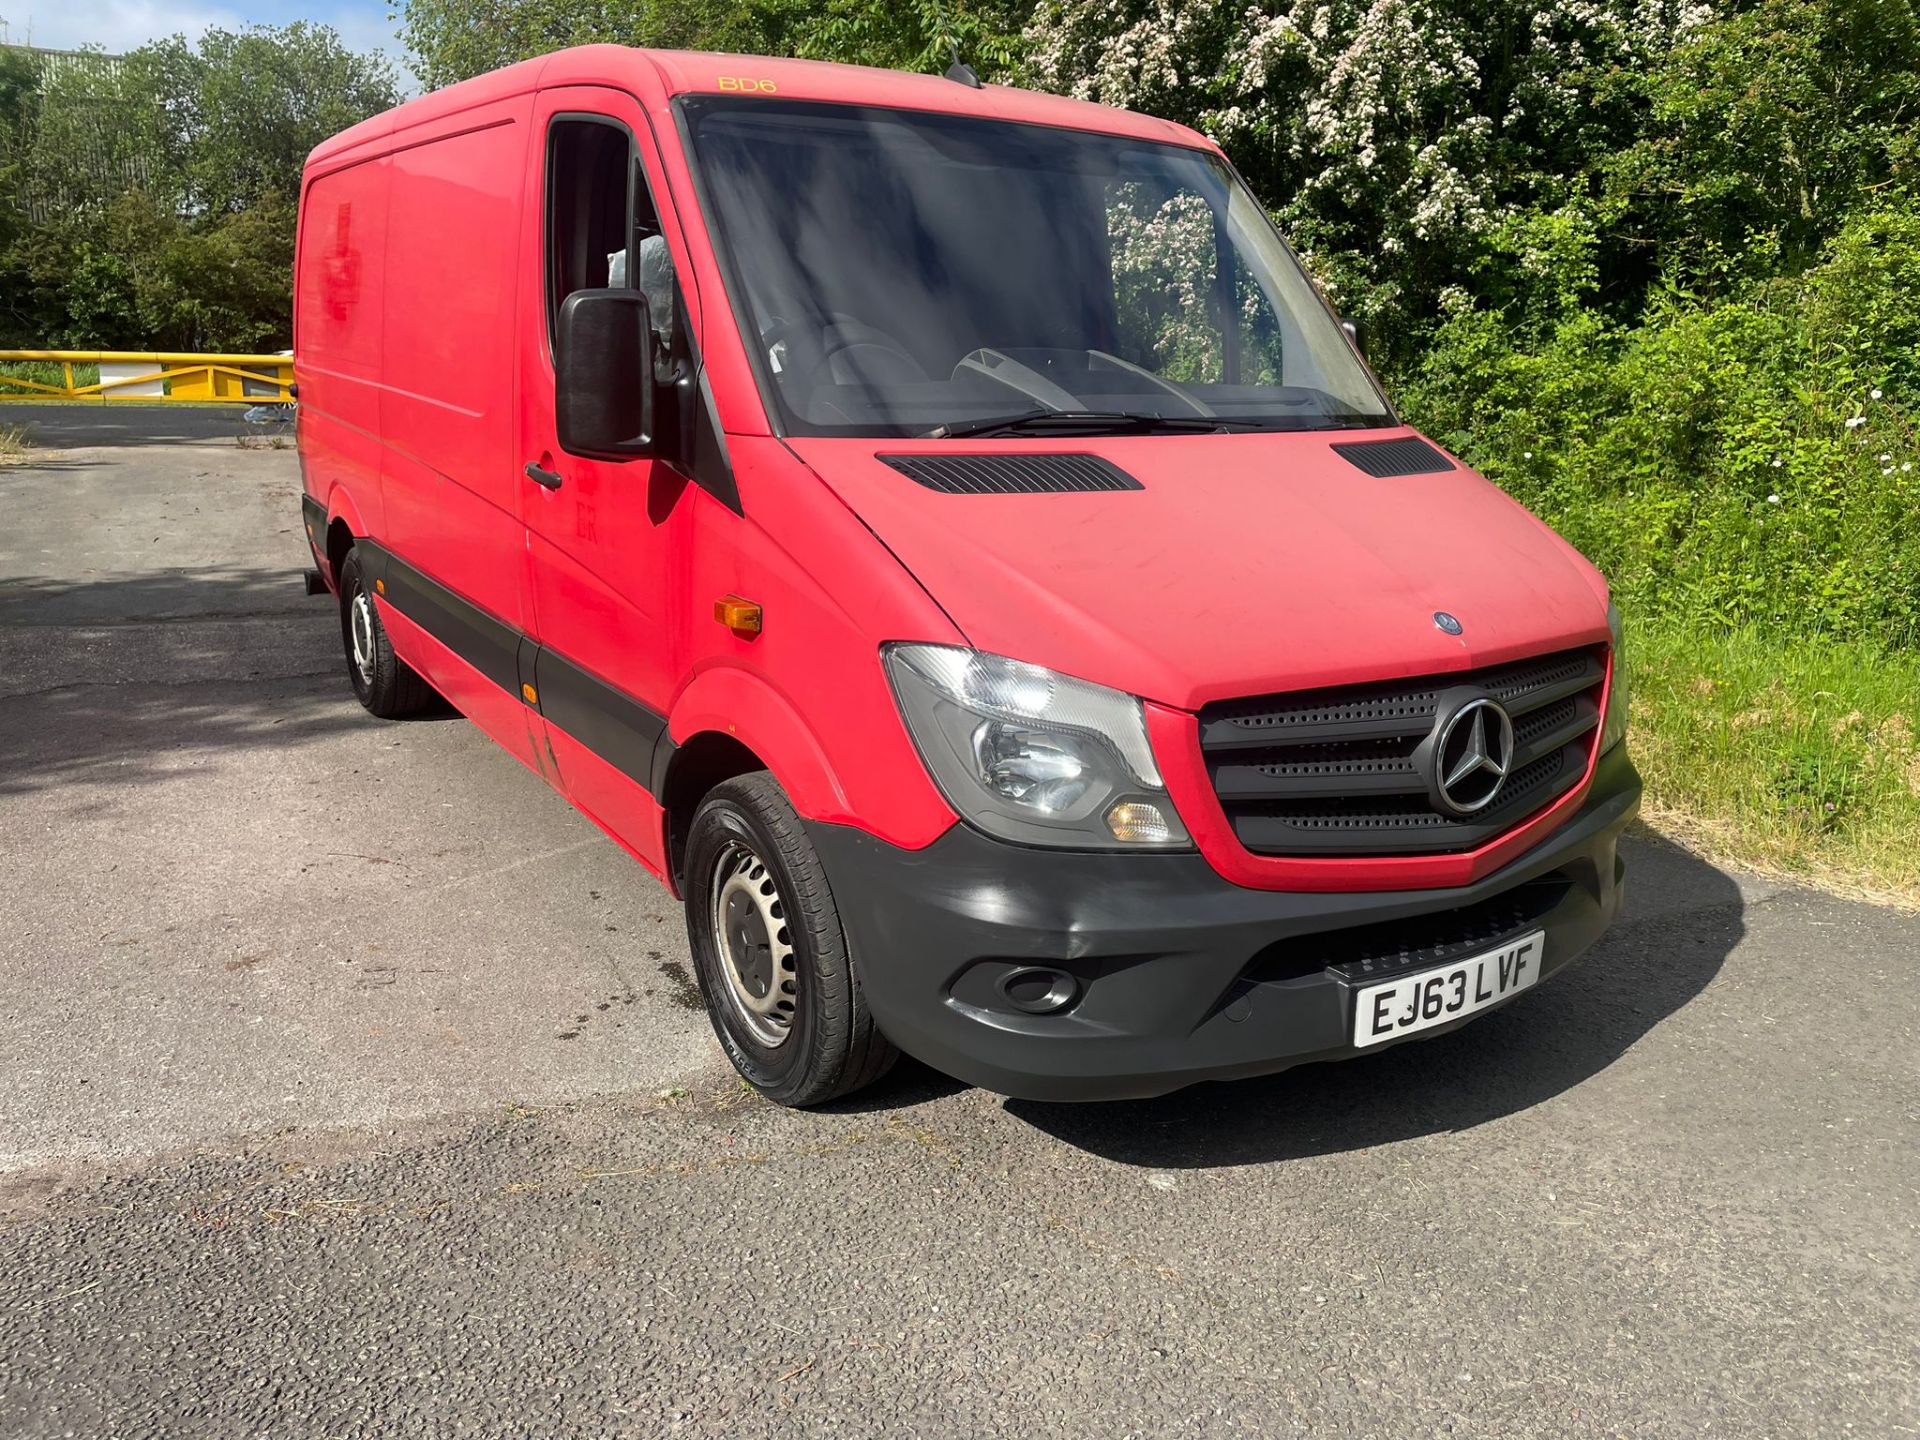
(457, 39)
(913, 34)
(152, 196)
(1391, 137)
(239, 112)
(454, 40)
(1776, 122)
(19, 98)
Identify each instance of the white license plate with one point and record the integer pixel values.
(1433, 997)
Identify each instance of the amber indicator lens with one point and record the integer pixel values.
(740, 616)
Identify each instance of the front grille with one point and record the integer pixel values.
(1340, 772)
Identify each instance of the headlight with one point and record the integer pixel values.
(1032, 756)
(1614, 729)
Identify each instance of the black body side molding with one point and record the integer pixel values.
(626, 733)
(491, 646)
(609, 722)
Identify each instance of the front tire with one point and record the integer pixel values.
(382, 681)
(769, 951)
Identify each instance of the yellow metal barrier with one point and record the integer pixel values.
(154, 375)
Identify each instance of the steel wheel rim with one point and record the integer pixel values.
(758, 968)
(360, 629)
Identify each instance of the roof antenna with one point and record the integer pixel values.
(959, 71)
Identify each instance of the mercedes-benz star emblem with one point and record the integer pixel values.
(1472, 755)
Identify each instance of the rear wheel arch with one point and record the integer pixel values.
(384, 683)
(345, 523)
(340, 538)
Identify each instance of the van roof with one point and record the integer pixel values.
(693, 72)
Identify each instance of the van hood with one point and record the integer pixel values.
(1243, 564)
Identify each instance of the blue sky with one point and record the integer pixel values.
(122, 24)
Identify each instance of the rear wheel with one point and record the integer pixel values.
(769, 951)
(382, 681)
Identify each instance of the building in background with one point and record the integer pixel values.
(105, 146)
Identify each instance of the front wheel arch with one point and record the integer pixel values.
(698, 764)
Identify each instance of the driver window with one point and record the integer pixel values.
(599, 216)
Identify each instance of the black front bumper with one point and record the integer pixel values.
(1178, 975)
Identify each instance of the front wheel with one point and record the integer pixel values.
(769, 951)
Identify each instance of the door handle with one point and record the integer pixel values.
(542, 477)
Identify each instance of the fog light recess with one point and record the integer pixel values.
(1038, 989)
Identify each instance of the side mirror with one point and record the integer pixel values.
(1353, 334)
(603, 375)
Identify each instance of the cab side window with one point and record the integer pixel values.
(602, 229)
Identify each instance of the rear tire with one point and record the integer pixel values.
(381, 680)
(769, 952)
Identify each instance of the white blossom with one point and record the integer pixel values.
(1382, 107)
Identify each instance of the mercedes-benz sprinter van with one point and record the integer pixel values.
(940, 531)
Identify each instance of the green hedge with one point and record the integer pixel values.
(1745, 461)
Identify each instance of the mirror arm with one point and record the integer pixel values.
(700, 449)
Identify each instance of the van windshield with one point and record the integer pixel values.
(908, 273)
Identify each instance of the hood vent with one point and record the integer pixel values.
(1383, 459)
(1013, 474)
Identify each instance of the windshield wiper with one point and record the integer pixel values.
(1092, 422)
(1349, 420)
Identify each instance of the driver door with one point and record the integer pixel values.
(607, 540)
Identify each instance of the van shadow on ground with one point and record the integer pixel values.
(1671, 942)
(162, 593)
(136, 678)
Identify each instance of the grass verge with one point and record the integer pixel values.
(13, 443)
(1795, 757)
(45, 372)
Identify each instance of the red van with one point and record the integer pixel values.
(940, 531)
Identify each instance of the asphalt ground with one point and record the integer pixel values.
(350, 1084)
(99, 423)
